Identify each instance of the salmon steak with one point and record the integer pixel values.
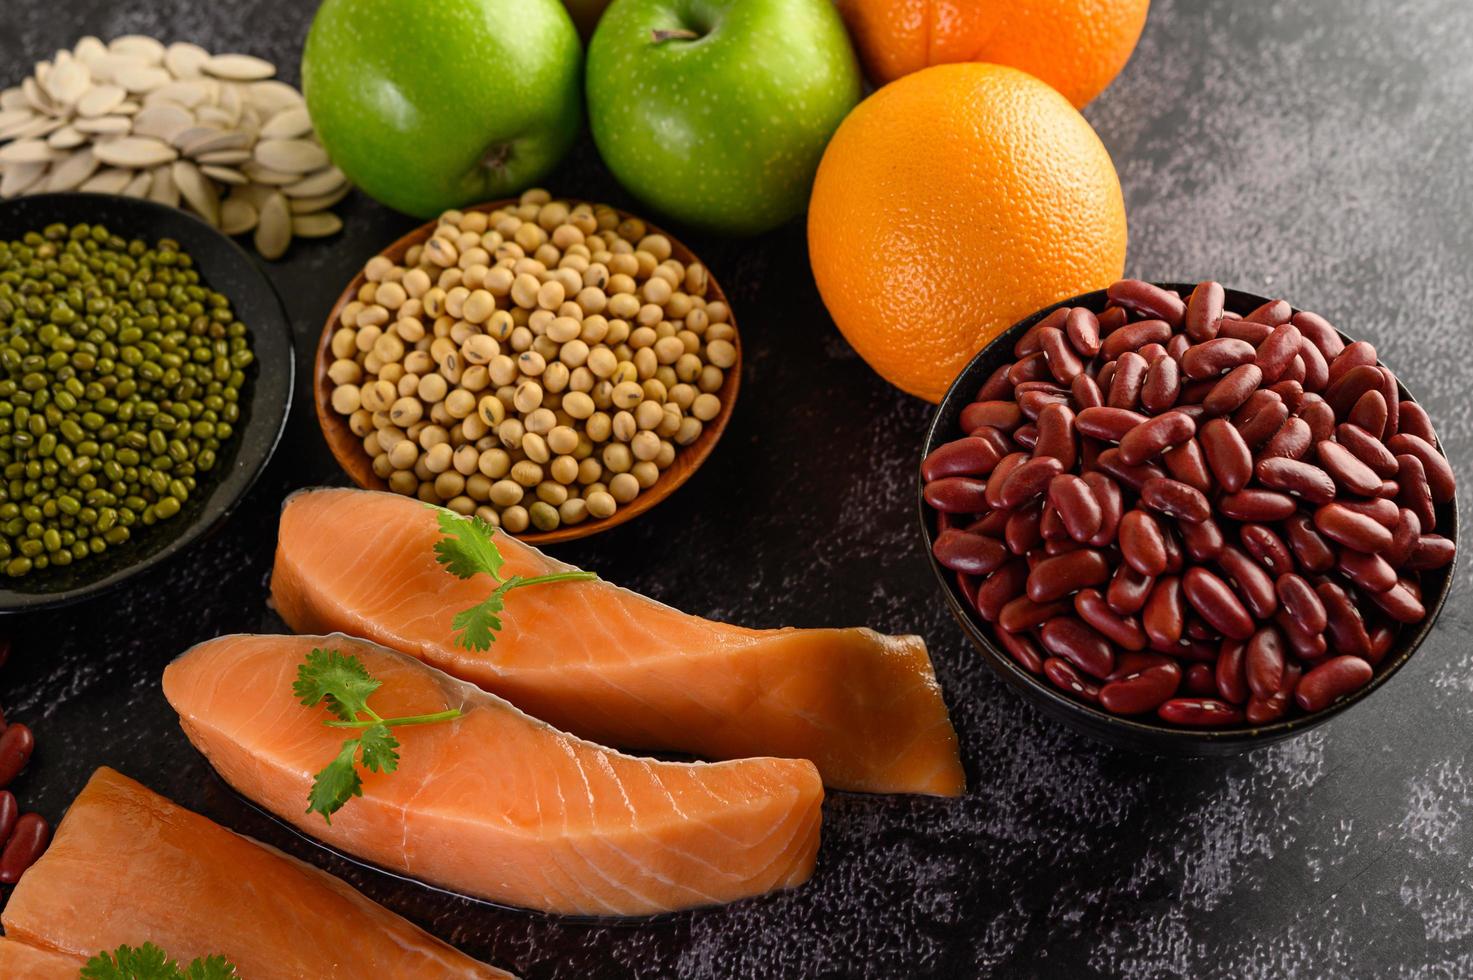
(613, 666)
(494, 803)
(128, 866)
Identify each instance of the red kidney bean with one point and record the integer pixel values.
(1275, 353)
(1267, 548)
(1109, 424)
(1382, 637)
(1199, 680)
(1306, 646)
(1083, 330)
(1128, 590)
(1063, 362)
(1273, 313)
(1404, 536)
(1218, 356)
(1297, 478)
(1067, 637)
(1022, 648)
(1142, 691)
(1033, 403)
(1242, 328)
(1063, 676)
(1432, 551)
(1255, 587)
(1028, 480)
(968, 456)
(1233, 390)
(1344, 623)
(1380, 510)
(1199, 713)
(1107, 494)
(27, 841)
(1188, 464)
(1318, 331)
(1034, 367)
(1301, 602)
(1391, 395)
(971, 554)
(1292, 441)
(1077, 506)
(1204, 308)
(1026, 436)
(1256, 506)
(1370, 573)
(1359, 354)
(1400, 603)
(16, 745)
(1124, 632)
(1029, 527)
(1001, 587)
(1203, 541)
(1177, 499)
(1227, 454)
(1127, 381)
(1112, 318)
(1439, 472)
(1293, 374)
(1023, 613)
(1320, 419)
(1414, 493)
(1147, 299)
(1414, 421)
(1086, 392)
(1290, 392)
(1060, 546)
(1004, 416)
(1331, 681)
(1354, 530)
(1369, 449)
(1031, 341)
(1216, 604)
(1369, 412)
(1154, 436)
(956, 495)
(1134, 476)
(1347, 389)
(1162, 385)
(1056, 435)
(997, 386)
(1053, 578)
(1230, 676)
(999, 477)
(994, 525)
(1264, 662)
(1164, 615)
(1174, 557)
(1347, 469)
(1134, 336)
(1316, 368)
(1261, 711)
(1259, 419)
(1142, 544)
(9, 812)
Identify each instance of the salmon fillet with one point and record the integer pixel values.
(615, 667)
(128, 866)
(497, 804)
(21, 962)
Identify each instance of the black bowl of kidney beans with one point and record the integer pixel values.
(1184, 518)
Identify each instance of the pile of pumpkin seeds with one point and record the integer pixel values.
(217, 134)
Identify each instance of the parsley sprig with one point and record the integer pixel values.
(343, 685)
(148, 962)
(465, 549)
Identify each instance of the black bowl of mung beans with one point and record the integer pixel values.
(1187, 520)
(146, 371)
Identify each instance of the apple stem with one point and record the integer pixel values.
(675, 33)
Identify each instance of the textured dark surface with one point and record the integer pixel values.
(1315, 149)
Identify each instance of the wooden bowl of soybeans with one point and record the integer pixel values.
(555, 367)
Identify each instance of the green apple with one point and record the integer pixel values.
(586, 14)
(432, 104)
(716, 112)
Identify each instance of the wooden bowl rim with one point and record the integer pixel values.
(347, 448)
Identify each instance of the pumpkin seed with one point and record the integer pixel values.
(162, 121)
(163, 189)
(214, 141)
(265, 175)
(188, 92)
(135, 151)
(99, 100)
(318, 225)
(225, 175)
(237, 215)
(89, 48)
(274, 230)
(66, 138)
(291, 156)
(142, 78)
(104, 125)
(315, 185)
(107, 181)
(20, 177)
(139, 185)
(288, 124)
(138, 46)
(239, 67)
(185, 60)
(28, 151)
(198, 191)
(308, 205)
(70, 173)
(68, 82)
(272, 96)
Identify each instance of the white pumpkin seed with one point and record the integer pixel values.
(13, 130)
(38, 128)
(163, 121)
(68, 82)
(256, 194)
(316, 184)
(215, 141)
(107, 181)
(14, 98)
(107, 67)
(69, 174)
(198, 191)
(183, 139)
(28, 151)
(88, 48)
(288, 124)
(128, 108)
(274, 231)
(99, 100)
(142, 79)
(37, 98)
(273, 96)
(20, 177)
(213, 115)
(185, 60)
(163, 189)
(138, 46)
(237, 215)
(239, 67)
(138, 186)
(223, 158)
(104, 125)
(66, 138)
(318, 225)
(189, 92)
(291, 156)
(14, 117)
(265, 175)
(308, 205)
(225, 175)
(135, 151)
(231, 101)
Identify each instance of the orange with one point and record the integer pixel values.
(951, 204)
(1077, 46)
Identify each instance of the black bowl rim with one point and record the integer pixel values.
(1132, 730)
(268, 417)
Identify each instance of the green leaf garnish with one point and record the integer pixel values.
(148, 962)
(343, 685)
(466, 549)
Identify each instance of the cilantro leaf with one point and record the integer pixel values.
(378, 749)
(477, 626)
(148, 962)
(342, 682)
(214, 967)
(465, 546)
(336, 784)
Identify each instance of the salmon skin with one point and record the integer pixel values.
(496, 804)
(127, 866)
(615, 667)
